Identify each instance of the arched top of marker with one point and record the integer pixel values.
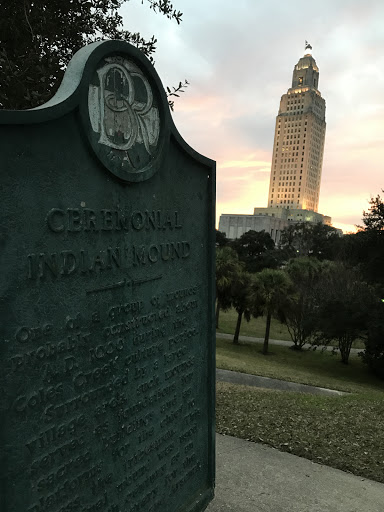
(123, 109)
(122, 105)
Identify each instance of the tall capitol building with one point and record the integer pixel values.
(297, 160)
(299, 141)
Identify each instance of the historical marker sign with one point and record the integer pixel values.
(107, 362)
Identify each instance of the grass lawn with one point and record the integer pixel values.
(256, 328)
(343, 432)
(315, 368)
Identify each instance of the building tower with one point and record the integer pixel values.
(299, 141)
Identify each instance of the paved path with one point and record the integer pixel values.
(251, 477)
(283, 343)
(265, 382)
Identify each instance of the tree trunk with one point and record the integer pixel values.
(237, 330)
(217, 314)
(266, 337)
(345, 345)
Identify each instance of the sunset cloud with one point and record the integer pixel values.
(260, 166)
(239, 58)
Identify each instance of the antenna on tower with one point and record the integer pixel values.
(307, 46)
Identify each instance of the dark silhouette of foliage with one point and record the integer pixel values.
(39, 37)
(255, 249)
(228, 267)
(344, 303)
(175, 91)
(301, 308)
(373, 355)
(221, 239)
(365, 249)
(305, 239)
(373, 219)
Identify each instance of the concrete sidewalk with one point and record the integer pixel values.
(246, 379)
(251, 477)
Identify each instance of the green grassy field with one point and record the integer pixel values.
(317, 368)
(256, 328)
(343, 432)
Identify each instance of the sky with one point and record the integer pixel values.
(238, 57)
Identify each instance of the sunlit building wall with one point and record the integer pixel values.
(299, 141)
(271, 220)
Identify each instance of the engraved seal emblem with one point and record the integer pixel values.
(124, 118)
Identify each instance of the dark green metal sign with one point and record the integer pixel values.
(107, 359)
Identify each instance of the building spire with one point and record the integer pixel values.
(307, 46)
(299, 141)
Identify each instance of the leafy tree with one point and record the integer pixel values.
(365, 249)
(269, 292)
(325, 241)
(306, 239)
(228, 267)
(221, 239)
(282, 255)
(373, 219)
(373, 354)
(369, 253)
(302, 307)
(39, 37)
(254, 249)
(344, 304)
(296, 237)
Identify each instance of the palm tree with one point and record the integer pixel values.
(240, 299)
(228, 267)
(269, 292)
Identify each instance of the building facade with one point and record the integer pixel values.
(297, 161)
(271, 220)
(299, 141)
(235, 225)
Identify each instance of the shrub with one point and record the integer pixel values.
(373, 354)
